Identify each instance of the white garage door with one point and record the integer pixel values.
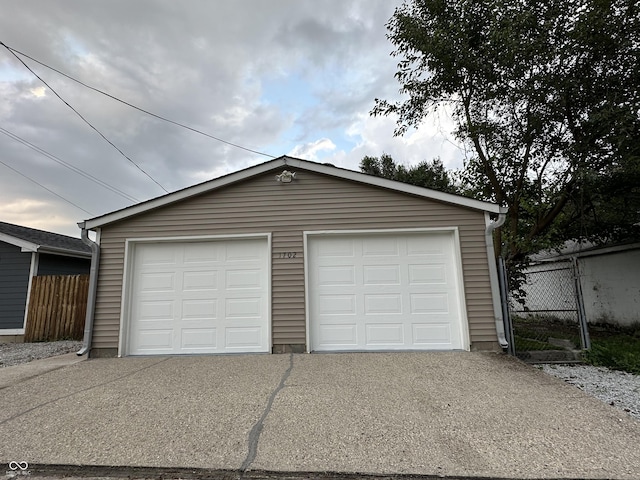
(384, 292)
(199, 297)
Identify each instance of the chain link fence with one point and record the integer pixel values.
(546, 314)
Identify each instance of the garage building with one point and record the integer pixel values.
(295, 256)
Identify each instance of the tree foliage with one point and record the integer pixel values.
(426, 174)
(547, 95)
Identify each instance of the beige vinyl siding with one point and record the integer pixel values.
(312, 202)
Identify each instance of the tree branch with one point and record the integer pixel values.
(541, 225)
(488, 167)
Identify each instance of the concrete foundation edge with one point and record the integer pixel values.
(295, 348)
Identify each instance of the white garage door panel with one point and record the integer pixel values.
(381, 274)
(155, 340)
(385, 334)
(199, 297)
(337, 335)
(384, 292)
(432, 335)
(200, 281)
(198, 338)
(241, 338)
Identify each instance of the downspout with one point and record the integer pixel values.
(93, 287)
(493, 275)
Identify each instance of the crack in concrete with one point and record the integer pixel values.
(20, 414)
(254, 434)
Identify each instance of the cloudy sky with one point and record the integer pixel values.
(281, 77)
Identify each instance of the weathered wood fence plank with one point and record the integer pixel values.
(57, 308)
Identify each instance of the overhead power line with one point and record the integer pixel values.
(73, 168)
(83, 118)
(160, 117)
(47, 189)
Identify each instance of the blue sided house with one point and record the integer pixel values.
(24, 254)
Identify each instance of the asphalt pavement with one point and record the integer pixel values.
(455, 415)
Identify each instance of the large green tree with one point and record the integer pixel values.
(547, 96)
(425, 174)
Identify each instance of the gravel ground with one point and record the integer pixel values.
(16, 353)
(618, 389)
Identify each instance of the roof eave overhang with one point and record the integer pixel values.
(329, 170)
(65, 252)
(30, 247)
(25, 245)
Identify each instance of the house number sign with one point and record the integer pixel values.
(288, 254)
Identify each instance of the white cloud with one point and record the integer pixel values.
(310, 151)
(38, 214)
(38, 92)
(210, 65)
(374, 136)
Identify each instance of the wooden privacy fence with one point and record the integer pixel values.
(57, 308)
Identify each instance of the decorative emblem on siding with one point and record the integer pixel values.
(286, 176)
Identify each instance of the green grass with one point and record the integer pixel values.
(532, 332)
(612, 346)
(524, 344)
(618, 352)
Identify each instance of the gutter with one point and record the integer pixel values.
(93, 287)
(62, 252)
(493, 275)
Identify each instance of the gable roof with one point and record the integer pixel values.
(33, 240)
(293, 163)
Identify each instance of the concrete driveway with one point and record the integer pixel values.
(450, 414)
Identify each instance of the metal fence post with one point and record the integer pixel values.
(585, 340)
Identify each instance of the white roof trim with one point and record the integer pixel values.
(588, 252)
(398, 186)
(63, 252)
(607, 250)
(18, 242)
(293, 163)
(26, 246)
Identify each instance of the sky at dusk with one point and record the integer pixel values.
(285, 77)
